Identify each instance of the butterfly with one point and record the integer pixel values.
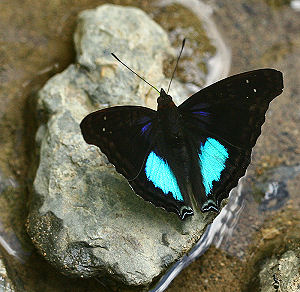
(187, 156)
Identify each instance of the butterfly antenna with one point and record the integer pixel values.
(134, 72)
(183, 43)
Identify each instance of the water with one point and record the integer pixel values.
(220, 232)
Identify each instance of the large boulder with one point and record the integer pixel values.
(84, 218)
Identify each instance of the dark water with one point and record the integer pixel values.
(36, 43)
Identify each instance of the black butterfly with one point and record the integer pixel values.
(189, 156)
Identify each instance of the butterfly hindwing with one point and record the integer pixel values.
(160, 184)
(223, 122)
(217, 166)
(130, 138)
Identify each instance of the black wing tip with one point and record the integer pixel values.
(272, 73)
(270, 70)
(86, 131)
(84, 126)
(275, 77)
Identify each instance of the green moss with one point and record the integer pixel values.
(257, 194)
(266, 163)
(276, 52)
(278, 3)
(286, 223)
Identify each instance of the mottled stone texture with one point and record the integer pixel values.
(84, 218)
(5, 282)
(281, 272)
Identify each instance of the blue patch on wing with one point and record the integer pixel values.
(158, 171)
(212, 157)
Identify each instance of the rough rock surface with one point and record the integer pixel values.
(5, 283)
(84, 217)
(282, 273)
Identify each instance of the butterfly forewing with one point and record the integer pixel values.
(124, 135)
(233, 109)
(223, 122)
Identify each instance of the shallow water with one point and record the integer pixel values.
(36, 43)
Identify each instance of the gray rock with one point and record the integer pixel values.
(5, 283)
(84, 217)
(282, 273)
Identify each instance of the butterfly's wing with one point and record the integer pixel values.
(129, 137)
(123, 135)
(222, 123)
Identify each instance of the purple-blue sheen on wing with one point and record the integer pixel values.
(146, 128)
(205, 114)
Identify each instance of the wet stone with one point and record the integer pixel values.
(281, 274)
(5, 282)
(84, 218)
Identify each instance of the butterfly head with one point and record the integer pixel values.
(164, 100)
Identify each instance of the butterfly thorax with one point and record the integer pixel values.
(164, 100)
(169, 118)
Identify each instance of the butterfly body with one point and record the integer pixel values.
(190, 156)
